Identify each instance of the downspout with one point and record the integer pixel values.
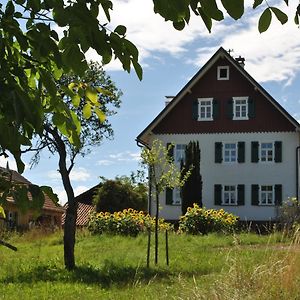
(297, 173)
(139, 144)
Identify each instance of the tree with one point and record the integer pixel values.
(191, 191)
(120, 193)
(92, 127)
(163, 174)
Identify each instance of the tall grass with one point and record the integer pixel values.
(243, 266)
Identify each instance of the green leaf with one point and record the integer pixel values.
(207, 20)
(92, 95)
(257, 3)
(235, 8)
(264, 20)
(121, 30)
(280, 15)
(76, 100)
(179, 25)
(138, 69)
(38, 197)
(211, 9)
(49, 192)
(100, 114)
(2, 213)
(87, 111)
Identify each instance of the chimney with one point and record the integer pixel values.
(241, 61)
(168, 99)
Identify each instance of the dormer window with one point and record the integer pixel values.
(223, 73)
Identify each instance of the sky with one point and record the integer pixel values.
(169, 59)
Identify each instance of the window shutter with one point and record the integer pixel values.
(254, 194)
(254, 151)
(195, 112)
(230, 109)
(278, 152)
(218, 194)
(218, 152)
(216, 109)
(278, 194)
(169, 196)
(241, 152)
(251, 108)
(170, 148)
(241, 194)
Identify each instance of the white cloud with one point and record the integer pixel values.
(80, 174)
(11, 163)
(62, 196)
(54, 175)
(126, 156)
(105, 162)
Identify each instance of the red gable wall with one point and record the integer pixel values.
(267, 117)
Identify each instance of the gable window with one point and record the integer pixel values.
(223, 73)
(230, 152)
(205, 109)
(240, 108)
(229, 195)
(266, 152)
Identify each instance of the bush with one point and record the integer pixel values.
(199, 220)
(127, 222)
(289, 214)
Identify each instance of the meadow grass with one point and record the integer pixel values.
(240, 266)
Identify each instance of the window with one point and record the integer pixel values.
(266, 195)
(230, 152)
(205, 109)
(266, 152)
(240, 108)
(223, 73)
(176, 196)
(179, 153)
(229, 195)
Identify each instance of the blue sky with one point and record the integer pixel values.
(169, 59)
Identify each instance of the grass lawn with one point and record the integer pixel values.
(243, 266)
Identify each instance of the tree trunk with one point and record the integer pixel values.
(156, 225)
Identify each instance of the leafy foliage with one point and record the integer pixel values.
(120, 193)
(199, 220)
(127, 222)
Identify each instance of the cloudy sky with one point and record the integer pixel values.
(169, 59)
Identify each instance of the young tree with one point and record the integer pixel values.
(191, 192)
(163, 174)
(92, 126)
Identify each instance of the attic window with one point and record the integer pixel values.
(223, 73)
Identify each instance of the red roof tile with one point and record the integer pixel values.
(83, 213)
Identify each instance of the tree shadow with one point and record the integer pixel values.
(109, 274)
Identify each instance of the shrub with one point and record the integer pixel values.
(289, 215)
(126, 222)
(199, 220)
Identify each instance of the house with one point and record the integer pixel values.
(249, 143)
(50, 216)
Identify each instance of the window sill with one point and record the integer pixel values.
(205, 119)
(240, 119)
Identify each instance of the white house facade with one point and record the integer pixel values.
(248, 142)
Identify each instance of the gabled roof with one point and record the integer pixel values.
(221, 53)
(83, 213)
(18, 178)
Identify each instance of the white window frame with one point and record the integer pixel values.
(176, 197)
(201, 102)
(220, 68)
(231, 193)
(235, 99)
(181, 151)
(230, 150)
(261, 149)
(261, 192)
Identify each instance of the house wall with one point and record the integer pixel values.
(247, 173)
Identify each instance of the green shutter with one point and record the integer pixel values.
(241, 152)
(278, 194)
(218, 194)
(278, 151)
(254, 151)
(241, 194)
(218, 152)
(170, 148)
(195, 112)
(230, 109)
(216, 109)
(251, 108)
(169, 196)
(254, 194)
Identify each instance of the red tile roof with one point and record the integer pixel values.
(83, 213)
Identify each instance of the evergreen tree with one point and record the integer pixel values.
(191, 192)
